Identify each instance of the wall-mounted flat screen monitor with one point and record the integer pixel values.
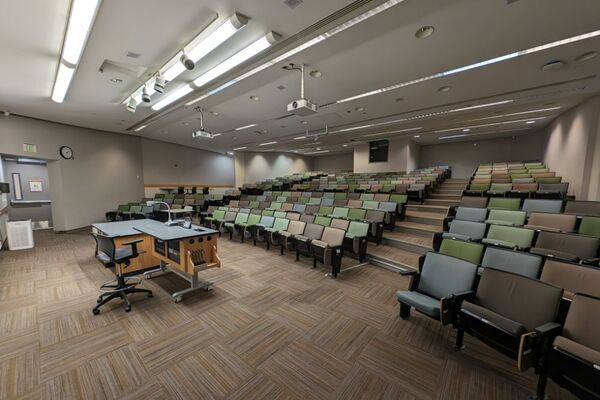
(378, 151)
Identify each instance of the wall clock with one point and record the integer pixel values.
(66, 152)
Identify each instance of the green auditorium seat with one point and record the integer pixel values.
(467, 251)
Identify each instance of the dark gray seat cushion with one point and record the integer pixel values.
(421, 302)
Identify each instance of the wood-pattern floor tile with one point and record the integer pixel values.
(18, 320)
(68, 354)
(266, 299)
(341, 336)
(242, 286)
(173, 345)
(19, 375)
(71, 325)
(146, 322)
(20, 342)
(415, 371)
(259, 340)
(210, 373)
(360, 384)
(228, 318)
(306, 371)
(147, 391)
(17, 290)
(367, 311)
(299, 316)
(259, 387)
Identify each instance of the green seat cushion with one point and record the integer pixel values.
(467, 251)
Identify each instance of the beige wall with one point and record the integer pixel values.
(106, 171)
(334, 163)
(571, 149)
(403, 156)
(168, 163)
(261, 166)
(464, 157)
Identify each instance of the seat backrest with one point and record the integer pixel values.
(581, 324)
(327, 202)
(573, 278)
(123, 207)
(467, 251)
(322, 220)
(504, 203)
(443, 275)
(474, 230)
(358, 229)
(554, 187)
(279, 214)
(516, 218)
(296, 227)
(527, 301)
(522, 180)
(341, 212)
(500, 187)
(328, 195)
(325, 210)
(556, 179)
(268, 213)
(542, 205)
(340, 196)
(241, 218)
(580, 207)
(299, 208)
(230, 215)
(312, 209)
(370, 205)
(135, 209)
(105, 246)
(367, 196)
(292, 216)
(253, 219)
(333, 236)
(473, 202)
(355, 203)
(314, 200)
(287, 207)
(339, 223)
(267, 221)
(218, 214)
(381, 197)
(308, 218)
(281, 224)
(387, 206)
(562, 222)
(471, 214)
(313, 231)
(519, 236)
(579, 245)
(525, 187)
(357, 213)
(399, 198)
(590, 226)
(517, 262)
(375, 215)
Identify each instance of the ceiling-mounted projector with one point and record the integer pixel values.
(202, 134)
(301, 107)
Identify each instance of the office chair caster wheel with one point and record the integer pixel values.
(128, 308)
(96, 311)
(99, 300)
(178, 299)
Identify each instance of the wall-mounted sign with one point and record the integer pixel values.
(35, 185)
(29, 148)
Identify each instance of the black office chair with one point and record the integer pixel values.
(108, 254)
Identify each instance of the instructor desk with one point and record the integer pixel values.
(182, 251)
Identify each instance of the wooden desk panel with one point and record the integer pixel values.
(145, 260)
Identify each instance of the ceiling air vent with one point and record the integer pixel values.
(292, 3)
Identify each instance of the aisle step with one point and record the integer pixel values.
(445, 196)
(392, 258)
(441, 202)
(408, 241)
(424, 217)
(416, 228)
(428, 208)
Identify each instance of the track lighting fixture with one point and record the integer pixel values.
(187, 63)
(131, 105)
(159, 84)
(146, 96)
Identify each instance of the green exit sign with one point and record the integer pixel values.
(29, 148)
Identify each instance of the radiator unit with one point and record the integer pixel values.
(20, 235)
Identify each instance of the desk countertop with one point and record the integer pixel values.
(152, 228)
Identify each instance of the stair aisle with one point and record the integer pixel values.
(413, 237)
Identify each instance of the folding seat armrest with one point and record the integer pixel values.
(591, 261)
(549, 330)
(446, 223)
(535, 345)
(450, 306)
(452, 211)
(437, 241)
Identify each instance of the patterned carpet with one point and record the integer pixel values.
(272, 328)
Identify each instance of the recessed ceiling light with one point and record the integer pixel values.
(587, 56)
(417, 136)
(185, 123)
(359, 109)
(215, 113)
(424, 32)
(344, 145)
(445, 89)
(318, 148)
(116, 80)
(315, 74)
(230, 153)
(303, 122)
(466, 130)
(552, 65)
(255, 98)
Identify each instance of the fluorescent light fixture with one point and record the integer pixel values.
(241, 128)
(266, 144)
(355, 128)
(417, 136)
(475, 65)
(338, 29)
(172, 97)
(516, 113)
(173, 68)
(240, 148)
(235, 60)
(80, 22)
(496, 103)
(318, 152)
(300, 137)
(486, 125)
(452, 136)
(390, 132)
(139, 128)
(230, 153)
(530, 122)
(198, 48)
(216, 134)
(466, 130)
(62, 82)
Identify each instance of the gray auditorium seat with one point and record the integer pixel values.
(517, 262)
(541, 205)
